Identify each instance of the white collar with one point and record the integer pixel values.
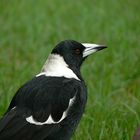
(57, 67)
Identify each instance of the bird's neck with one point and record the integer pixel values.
(56, 66)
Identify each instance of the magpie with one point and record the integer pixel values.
(51, 104)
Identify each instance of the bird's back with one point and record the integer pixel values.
(45, 108)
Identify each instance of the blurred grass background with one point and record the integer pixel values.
(30, 29)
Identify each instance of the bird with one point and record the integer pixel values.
(51, 104)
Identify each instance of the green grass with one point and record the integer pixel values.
(30, 29)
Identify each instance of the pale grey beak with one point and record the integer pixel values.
(91, 48)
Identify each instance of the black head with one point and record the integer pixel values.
(71, 51)
(74, 53)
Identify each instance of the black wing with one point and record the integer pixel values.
(39, 97)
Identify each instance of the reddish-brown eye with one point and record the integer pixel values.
(77, 51)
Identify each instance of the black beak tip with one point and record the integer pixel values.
(101, 47)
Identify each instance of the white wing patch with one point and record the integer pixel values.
(56, 66)
(13, 108)
(50, 120)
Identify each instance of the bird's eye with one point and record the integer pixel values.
(77, 51)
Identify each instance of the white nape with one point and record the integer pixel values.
(56, 66)
(50, 120)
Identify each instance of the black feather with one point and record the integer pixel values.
(41, 97)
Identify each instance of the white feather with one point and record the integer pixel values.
(56, 66)
(13, 108)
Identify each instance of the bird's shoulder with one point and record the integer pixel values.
(43, 86)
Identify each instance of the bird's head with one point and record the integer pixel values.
(74, 53)
(71, 54)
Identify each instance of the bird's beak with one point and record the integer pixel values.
(91, 48)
